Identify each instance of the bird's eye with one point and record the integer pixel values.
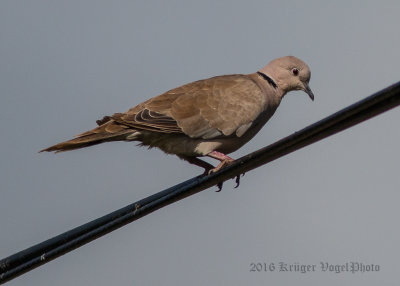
(295, 71)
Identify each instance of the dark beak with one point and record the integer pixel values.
(308, 90)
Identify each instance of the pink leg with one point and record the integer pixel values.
(225, 160)
(209, 169)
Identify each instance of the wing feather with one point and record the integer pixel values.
(211, 108)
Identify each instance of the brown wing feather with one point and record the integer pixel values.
(202, 109)
(218, 106)
(148, 120)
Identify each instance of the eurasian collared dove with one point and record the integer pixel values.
(211, 117)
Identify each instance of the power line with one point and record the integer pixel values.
(30, 258)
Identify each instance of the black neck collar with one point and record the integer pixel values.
(267, 78)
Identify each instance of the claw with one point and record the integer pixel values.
(237, 181)
(219, 185)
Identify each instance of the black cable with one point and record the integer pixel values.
(30, 258)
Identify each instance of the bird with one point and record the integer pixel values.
(211, 117)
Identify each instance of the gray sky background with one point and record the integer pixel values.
(65, 64)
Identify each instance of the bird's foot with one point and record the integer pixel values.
(224, 163)
(237, 181)
(209, 169)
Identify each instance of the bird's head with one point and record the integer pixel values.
(289, 73)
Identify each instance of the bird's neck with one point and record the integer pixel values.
(270, 83)
(268, 79)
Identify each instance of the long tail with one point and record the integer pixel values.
(108, 130)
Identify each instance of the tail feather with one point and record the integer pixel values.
(85, 141)
(108, 131)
